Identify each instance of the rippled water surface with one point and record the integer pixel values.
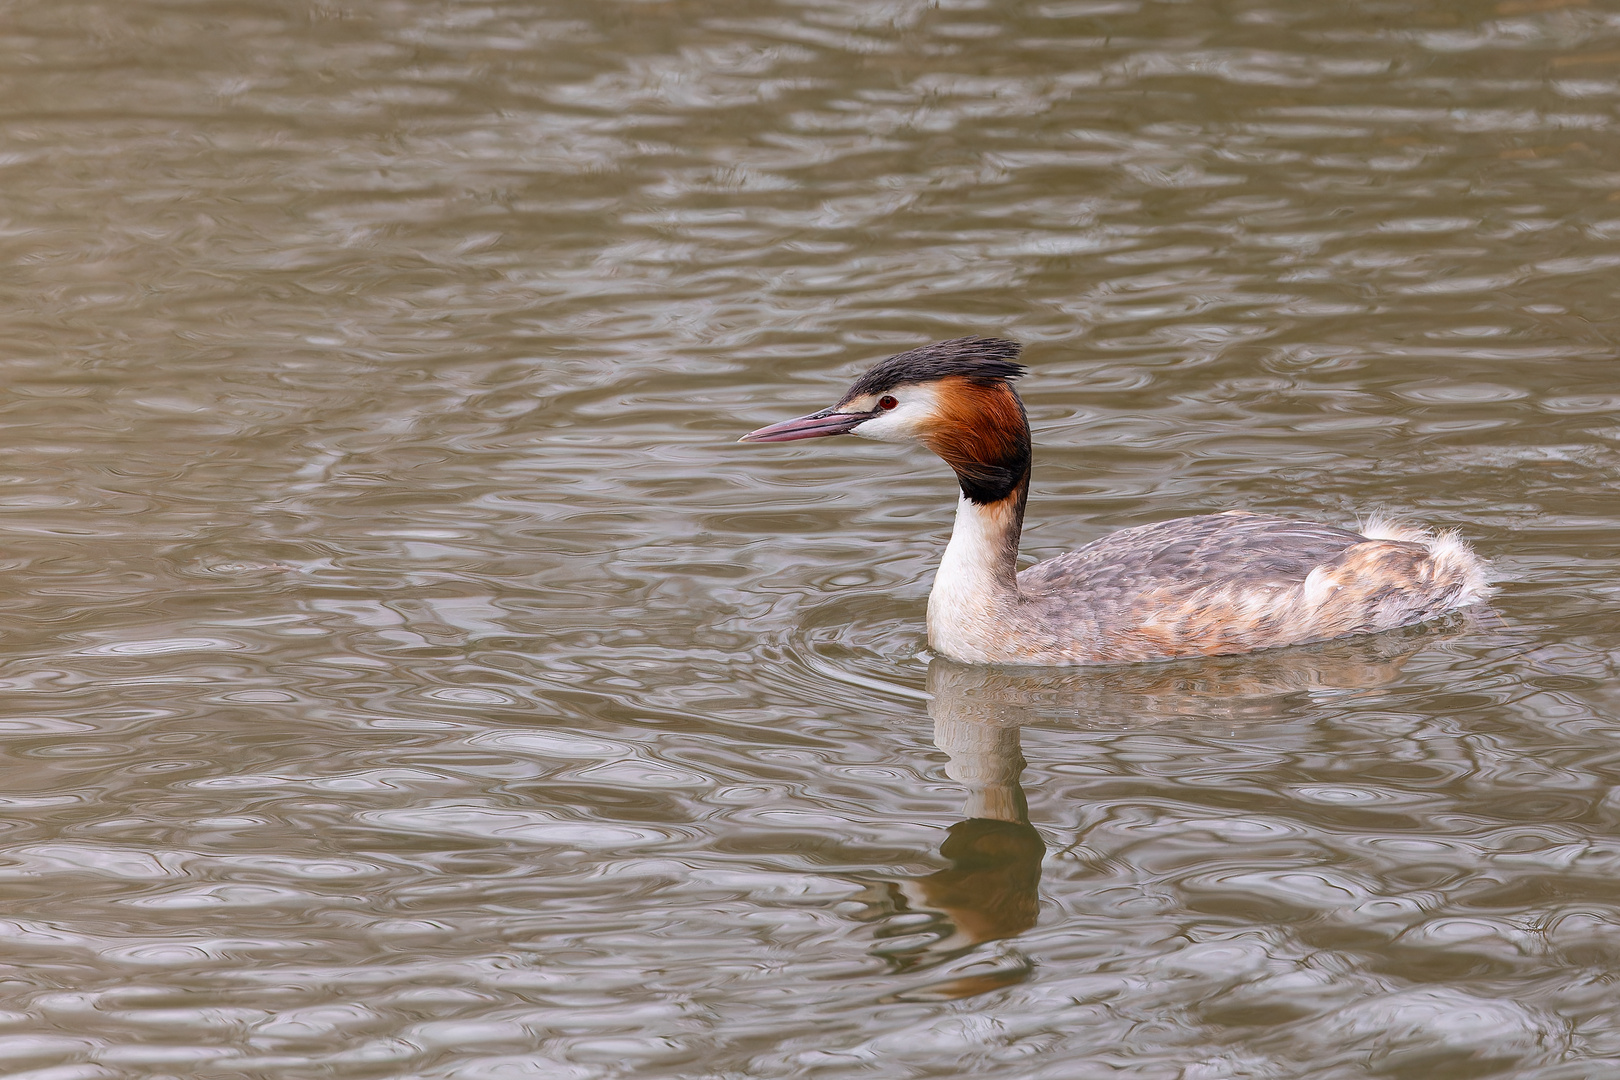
(403, 673)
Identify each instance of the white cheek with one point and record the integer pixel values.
(906, 422)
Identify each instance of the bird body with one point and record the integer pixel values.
(1209, 585)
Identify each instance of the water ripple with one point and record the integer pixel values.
(405, 674)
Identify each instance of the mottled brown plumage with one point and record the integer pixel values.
(1228, 583)
(1210, 585)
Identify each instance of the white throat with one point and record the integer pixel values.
(976, 583)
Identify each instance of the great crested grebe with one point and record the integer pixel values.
(1210, 585)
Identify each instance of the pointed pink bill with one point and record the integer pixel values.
(826, 422)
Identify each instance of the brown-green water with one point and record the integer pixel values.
(404, 674)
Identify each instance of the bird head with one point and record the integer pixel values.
(955, 397)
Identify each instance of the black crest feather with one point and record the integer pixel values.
(981, 359)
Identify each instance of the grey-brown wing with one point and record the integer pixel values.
(1236, 548)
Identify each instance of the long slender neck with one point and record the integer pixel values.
(977, 581)
(984, 437)
(984, 541)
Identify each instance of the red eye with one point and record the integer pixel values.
(887, 402)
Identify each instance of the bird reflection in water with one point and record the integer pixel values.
(989, 889)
